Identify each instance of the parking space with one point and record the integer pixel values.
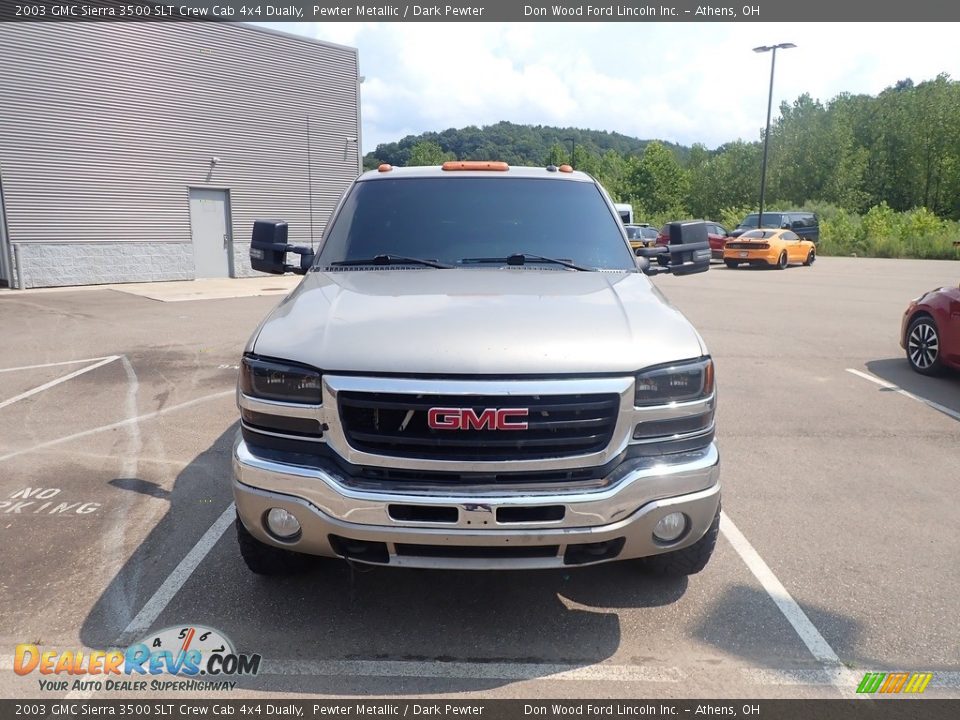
(837, 557)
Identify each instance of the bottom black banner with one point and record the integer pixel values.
(855, 709)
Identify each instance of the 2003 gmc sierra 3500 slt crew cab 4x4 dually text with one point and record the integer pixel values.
(475, 372)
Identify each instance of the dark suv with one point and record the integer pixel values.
(805, 224)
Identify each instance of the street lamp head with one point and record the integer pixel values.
(768, 48)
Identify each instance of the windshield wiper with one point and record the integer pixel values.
(390, 260)
(522, 258)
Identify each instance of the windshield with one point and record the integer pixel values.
(450, 219)
(769, 220)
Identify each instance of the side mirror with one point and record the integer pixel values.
(269, 248)
(689, 248)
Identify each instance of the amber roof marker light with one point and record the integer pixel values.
(452, 165)
(385, 168)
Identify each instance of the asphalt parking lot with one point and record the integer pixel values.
(838, 554)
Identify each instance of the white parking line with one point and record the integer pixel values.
(68, 376)
(53, 364)
(832, 673)
(122, 606)
(842, 679)
(896, 388)
(175, 580)
(111, 426)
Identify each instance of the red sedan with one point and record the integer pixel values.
(930, 331)
(717, 236)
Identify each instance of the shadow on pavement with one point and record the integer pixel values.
(754, 643)
(199, 495)
(304, 625)
(722, 627)
(943, 390)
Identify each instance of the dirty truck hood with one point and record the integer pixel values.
(476, 321)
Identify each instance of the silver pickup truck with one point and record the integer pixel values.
(475, 372)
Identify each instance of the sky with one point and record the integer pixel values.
(681, 82)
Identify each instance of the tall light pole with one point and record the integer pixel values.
(573, 152)
(766, 135)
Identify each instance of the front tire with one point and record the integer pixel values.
(782, 261)
(811, 256)
(923, 346)
(264, 559)
(689, 560)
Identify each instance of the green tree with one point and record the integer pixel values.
(558, 155)
(611, 171)
(658, 181)
(428, 153)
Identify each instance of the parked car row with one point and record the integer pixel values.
(929, 329)
(795, 238)
(716, 235)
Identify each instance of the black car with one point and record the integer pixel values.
(803, 223)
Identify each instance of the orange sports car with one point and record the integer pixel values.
(774, 248)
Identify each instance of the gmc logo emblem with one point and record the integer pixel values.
(441, 418)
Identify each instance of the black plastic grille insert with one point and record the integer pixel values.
(395, 425)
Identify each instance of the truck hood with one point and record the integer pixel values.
(477, 321)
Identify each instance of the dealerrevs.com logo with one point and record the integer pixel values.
(189, 652)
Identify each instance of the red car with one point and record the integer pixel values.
(717, 236)
(930, 331)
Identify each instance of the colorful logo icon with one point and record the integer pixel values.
(899, 682)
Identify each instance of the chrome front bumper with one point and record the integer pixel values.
(617, 519)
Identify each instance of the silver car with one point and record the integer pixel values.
(476, 372)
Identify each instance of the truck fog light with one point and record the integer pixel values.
(670, 527)
(282, 524)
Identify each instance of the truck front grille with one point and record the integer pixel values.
(395, 425)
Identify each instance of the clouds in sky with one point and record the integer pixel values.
(682, 82)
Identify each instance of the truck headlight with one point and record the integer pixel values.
(680, 382)
(278, 380)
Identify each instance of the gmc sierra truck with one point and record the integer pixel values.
(476, 372)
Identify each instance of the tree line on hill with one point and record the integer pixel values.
(899, 150)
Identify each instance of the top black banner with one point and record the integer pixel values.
(479, 11)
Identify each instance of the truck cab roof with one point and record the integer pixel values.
(471, 169)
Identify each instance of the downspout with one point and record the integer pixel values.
(360, 79)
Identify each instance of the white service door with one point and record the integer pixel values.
(210, 227)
